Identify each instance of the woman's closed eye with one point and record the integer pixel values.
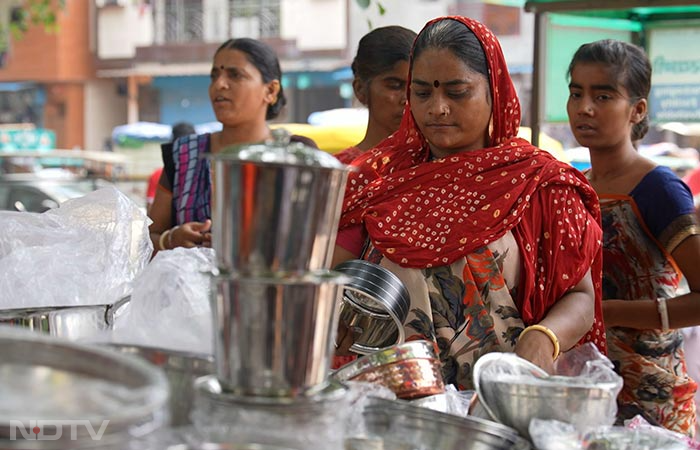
(458, 93)
(422, 93)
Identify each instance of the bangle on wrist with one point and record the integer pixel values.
(550, 334)
(170, 236)
(161, 240)
(663, 313)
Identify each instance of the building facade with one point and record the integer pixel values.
(122, 61)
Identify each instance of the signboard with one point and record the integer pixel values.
(12, 140)
(675, 62)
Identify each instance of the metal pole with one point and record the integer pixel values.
(538, 66)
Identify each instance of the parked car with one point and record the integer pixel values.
(40, 192)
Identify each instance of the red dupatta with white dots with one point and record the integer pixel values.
(422, 213)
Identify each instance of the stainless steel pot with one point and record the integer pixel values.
(276, 207)
(62, 387)
(70, 322)
(181, 369)
(375, 305)
(274, 336)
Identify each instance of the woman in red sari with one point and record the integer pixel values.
(496, 240)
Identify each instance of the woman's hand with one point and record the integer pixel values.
(191, 234)
(536, 347)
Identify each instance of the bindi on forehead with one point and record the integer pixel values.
(436, 84)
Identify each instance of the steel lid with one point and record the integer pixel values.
(278, 151)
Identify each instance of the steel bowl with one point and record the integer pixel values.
(399, 423)
(276, 207)
(181, 369)
(512, 396)
(72, 391)
(375, 304)
(274, 336)
(70, 322)
(411, 370)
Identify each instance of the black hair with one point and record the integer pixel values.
(182, 129)
(380, 49)
(458, 38)
(263, 57)
(630, 65)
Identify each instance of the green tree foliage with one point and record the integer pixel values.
(366, 4)
(28, 13)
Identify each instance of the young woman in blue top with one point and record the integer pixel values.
(651, 237)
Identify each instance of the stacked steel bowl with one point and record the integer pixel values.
(275, 302)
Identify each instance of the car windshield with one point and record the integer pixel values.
(66, 190)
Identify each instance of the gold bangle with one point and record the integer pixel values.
(550, 334)
(161, 240)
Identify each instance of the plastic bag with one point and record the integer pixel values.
(582, 391)
(635, 435)
(86, 252)
(169, 306)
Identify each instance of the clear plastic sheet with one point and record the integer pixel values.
(87, 252)
(451, 401)
(635, 435)
(169, 306)
(309, 424)
(360, 393)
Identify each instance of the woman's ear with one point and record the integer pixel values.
(273, 90)
(639, 111)
(360, 88)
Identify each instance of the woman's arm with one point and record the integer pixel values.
(160, 213)
(570, 318)
(683, 311)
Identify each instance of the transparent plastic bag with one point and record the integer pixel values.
(86, 252)
(556, 435)
(582, 391)
(169, 306)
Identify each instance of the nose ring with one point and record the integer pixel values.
(445, 110)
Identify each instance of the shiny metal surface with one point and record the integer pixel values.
(226, 446)
(514, 399)
(276, 208)
(45, 378)
(70, 322)
(399, 423)
(410, 370)
(274, 336)
(401, 352)
(376, 302)
(210, 392)
(181, 370)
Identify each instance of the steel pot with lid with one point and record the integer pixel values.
(276, 206)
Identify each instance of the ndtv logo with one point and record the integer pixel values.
(52, 430)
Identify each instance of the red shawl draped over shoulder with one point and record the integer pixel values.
(422, 213)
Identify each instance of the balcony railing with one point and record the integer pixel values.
(254, 18)
(187, 21)
(183, 21)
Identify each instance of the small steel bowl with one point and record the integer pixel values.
(375, 304)
(514, 391)
(411, 370)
